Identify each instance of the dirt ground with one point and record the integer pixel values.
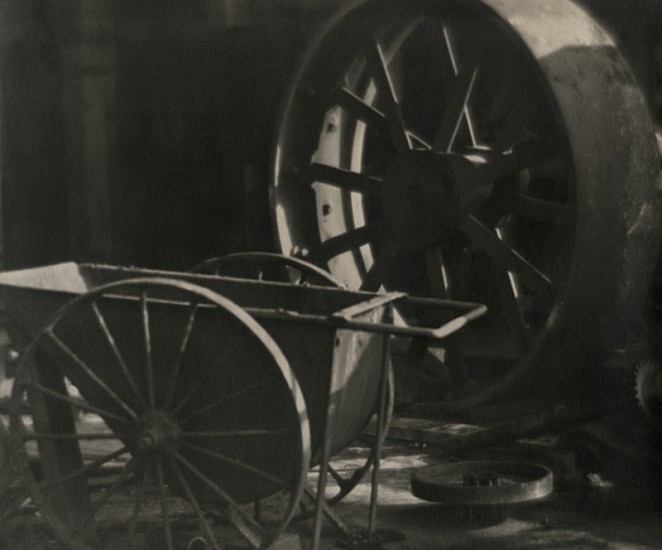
(575, 516)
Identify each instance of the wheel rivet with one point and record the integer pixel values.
(299, 251)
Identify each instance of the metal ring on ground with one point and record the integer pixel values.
(515, 482)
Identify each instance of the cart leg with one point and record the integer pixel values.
(321, 507)
(320, 501)
(12, 494)
(381, 426)
(59, 458)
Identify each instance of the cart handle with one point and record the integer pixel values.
(345, 318)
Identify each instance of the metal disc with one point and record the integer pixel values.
(512, 482)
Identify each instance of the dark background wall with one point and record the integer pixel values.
(139, 131)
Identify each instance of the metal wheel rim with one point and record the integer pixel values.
(258, 261)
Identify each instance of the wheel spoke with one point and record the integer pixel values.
(345, 179)
(510, 292)
(165, 513)
(238, 433)
(148, 350)
(118, 354)
(419, 140)
(244, 523)
(90, 373)
(46, 486)
(437, 274)
(79, 437)
(223, 399)
(137, 507)
(377, 273)
(351, 240)
(366, 113)
(513, 311)
(386, 90)
(180, 355)
(204, 524)
(524, 156)
(237, 463)
(506, 257)
(354, 105)
(452, 69)
(542, 210)
(455, 110)
(76, 402)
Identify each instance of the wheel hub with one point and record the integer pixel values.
(158, 432)
(427, 194)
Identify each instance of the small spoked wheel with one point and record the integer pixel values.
(280, 268)
(266, 266)
(468, 150)
(159, 410)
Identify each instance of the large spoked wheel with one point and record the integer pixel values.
(492, 151)
(279, 268)
(159, 410)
